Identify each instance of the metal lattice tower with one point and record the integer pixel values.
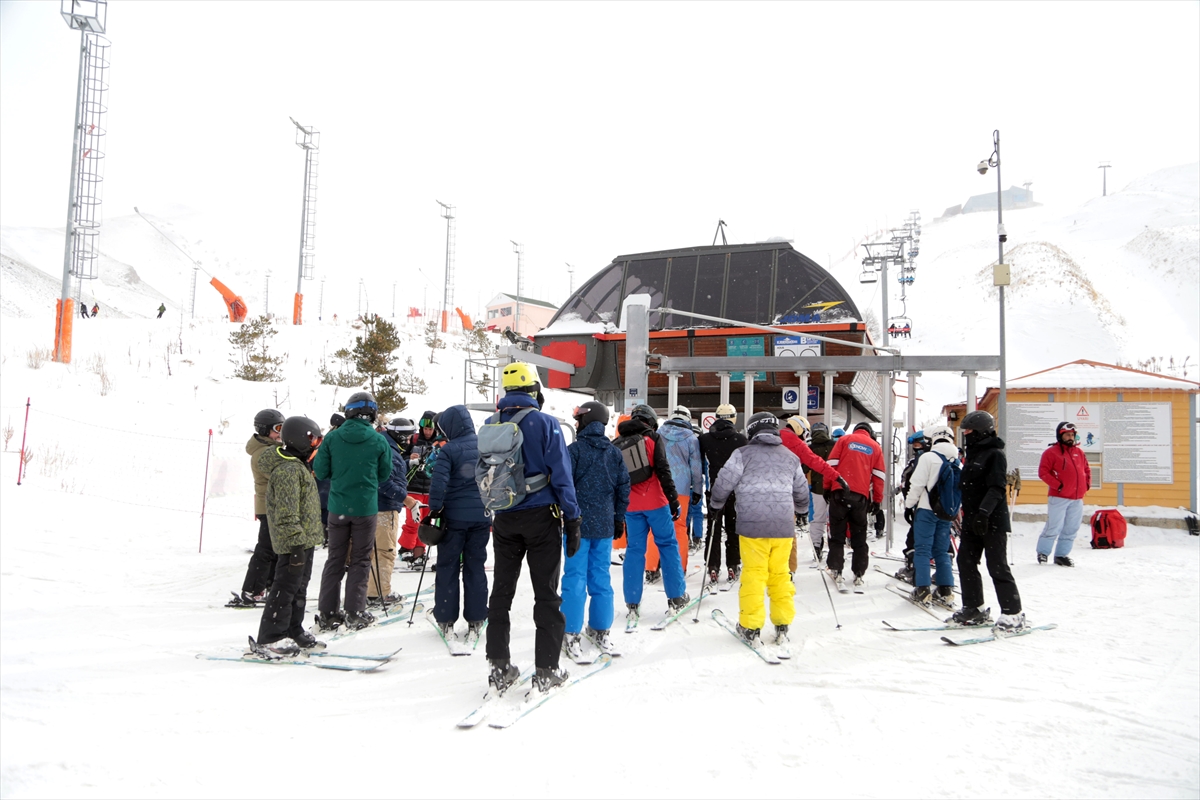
(519, 249)
(448, 290)
(308, 140)
(89, 17)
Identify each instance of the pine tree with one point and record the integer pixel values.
(253, 361)
(374, 355)
(433, 339)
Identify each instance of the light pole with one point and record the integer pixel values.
(519, 249)
(571, 279)
(1106, 167)
(1000, 279)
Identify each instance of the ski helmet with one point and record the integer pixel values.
(978, 421)
(681, 413)
(800, 426)
(362, 404)
(941, 433)
(519, 375)
(763, 421)
(726, 411)
(916, 437)
(300, 435)
(644, 413)
(865, 426)
(820, 427)
(266, 420)
(838, 433)
(1065, 427)
(336, 421)
(401, 425)
(590, 412)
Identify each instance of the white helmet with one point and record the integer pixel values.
(726, 411)
(941, 433)
(682, 412)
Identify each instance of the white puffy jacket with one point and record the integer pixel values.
(925, 476)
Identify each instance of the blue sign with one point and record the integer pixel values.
(814, 400)
(791, 398)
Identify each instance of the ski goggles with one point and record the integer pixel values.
(1067, 428)
(277, 427)
(426, 422)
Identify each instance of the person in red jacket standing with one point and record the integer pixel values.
(1064, 468)
(859, 459)
(795, 438)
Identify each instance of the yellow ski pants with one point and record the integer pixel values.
(765, 570)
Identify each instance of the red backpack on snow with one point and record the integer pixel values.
(1108, 529)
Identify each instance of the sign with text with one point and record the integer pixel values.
(744, 346)
(792, 346)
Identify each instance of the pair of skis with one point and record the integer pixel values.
(633, 620)
(770, 653)
(312, 658)
(501, 711)
(464, 646)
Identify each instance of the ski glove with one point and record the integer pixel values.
(296, 559)
(675, 510)
(696, 498)
(572, 527)
(909, 515)
(979, 524)
(618, 526)
(874, 509)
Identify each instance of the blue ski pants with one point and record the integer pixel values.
(931, 538)
(638, 524)
(586, 574)
(464, 545)
(695, 521)
(1063, 518)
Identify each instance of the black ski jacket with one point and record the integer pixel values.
(718, 445)
(984, 478)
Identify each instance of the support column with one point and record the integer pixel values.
(672, 391)
(828, 399)
(724, 376)
(803, 376)
(970, 376)
(637, 346)
(912, 412)
(887, 502)
(750, 378)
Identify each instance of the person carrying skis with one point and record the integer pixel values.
(683, 455)
(985, 527)
(859, 460)
(717, 446)
(294, 516)
(930, 533)
(260, 572)
(920, 445)
(532, 530)
(795, 438)
(772, 490)
(356, 460)
(1065, 470)
(420, 447)
(822, 445)
(391, 496)
(653, 506)
(454, 500)
(602, 490)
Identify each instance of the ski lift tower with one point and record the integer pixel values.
(90, 18)
(309, 141)
(519, 249)
(879, 255)
(448, 289)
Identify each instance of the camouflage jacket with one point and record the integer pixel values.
(293, 505)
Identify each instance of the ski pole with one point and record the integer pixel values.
(704, 568)
(378, 584)
(825, 580)
(422, 578)
(24, 432)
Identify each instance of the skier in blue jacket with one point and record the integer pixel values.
(454, 499)
(602, 489)
(683, 454)
(532, 530)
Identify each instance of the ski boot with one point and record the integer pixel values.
(749, 635)
(406, 554)
(417, 563)
(273, 651)
(502, 675)
(391, 601)
(573, 646)
(1063, 561)
(922, 596)
(546, 678)
(600, 639)
(713, 577)
(1010, 623)
(734, 574)
(446, 629)
(357, 620)
(781, 634)
(633, 611)
(653, 576)
(859, 582)
(944, 597)
(306, 641)
(839, 582)
(1043, 558)
(818, 551)
(242, 600)
(678, 603)
(905, 573)
(328, 621)
(475, 629)
(969, 615)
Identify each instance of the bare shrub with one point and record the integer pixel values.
(8, 433)
(55, 460)
(35, 357)
(97, 365)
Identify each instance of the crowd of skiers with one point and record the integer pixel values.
(564, 508)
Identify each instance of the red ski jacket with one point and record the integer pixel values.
(860, 461)
(807, 457)
(1066, 471)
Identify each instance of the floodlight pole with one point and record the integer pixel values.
(570, 279)
(448, 289)
(1105, 166)
(519, 249)
(62, 328)
(1001, 279)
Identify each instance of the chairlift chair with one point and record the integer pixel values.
(900, 326)
(868, 275)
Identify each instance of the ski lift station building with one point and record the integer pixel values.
(767, 283)
(1138, 429)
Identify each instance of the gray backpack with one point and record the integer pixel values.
(500, 470)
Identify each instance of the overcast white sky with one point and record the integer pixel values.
(587, 130)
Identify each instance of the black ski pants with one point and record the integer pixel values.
(725, 521)
(463, 547)
(995, 545)
(260, 574)
(848, 514)
(283, 615)
(355, 535)
(536, 536)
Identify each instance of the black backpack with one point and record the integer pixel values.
(637, 459)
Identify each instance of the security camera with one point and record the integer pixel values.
(983, 168)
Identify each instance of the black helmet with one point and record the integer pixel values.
(300, 435)
(865, 426)
(979, 421)
(590, 412)
(820, 427)
(362, 404)
(762, 421)
(336, 421)
(402, 425)
(267, 419)
(644, 413)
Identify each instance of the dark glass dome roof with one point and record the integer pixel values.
(767, 283)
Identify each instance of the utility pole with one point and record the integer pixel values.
(570, 279)
(448, 290)
(1104, 165)
(308, 140)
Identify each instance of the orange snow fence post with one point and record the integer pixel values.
(298, 309)
(466, 321)
(234, 303)
(64, 323)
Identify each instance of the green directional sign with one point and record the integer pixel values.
(743, 346)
